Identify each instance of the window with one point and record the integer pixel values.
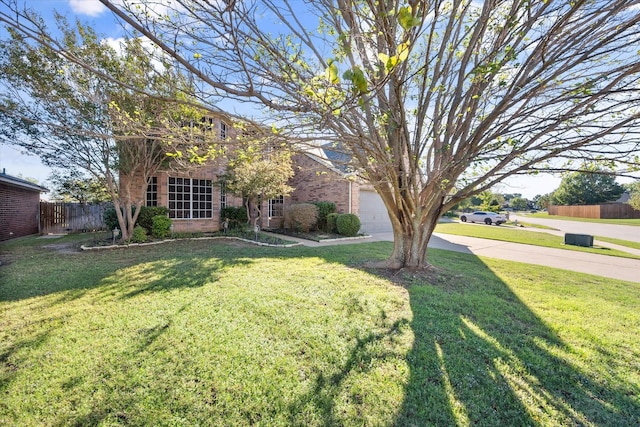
(190, 198)
(152, 192)
(223, 195)
(223, 130)
(276, 206)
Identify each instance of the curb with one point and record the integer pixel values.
(93, 248)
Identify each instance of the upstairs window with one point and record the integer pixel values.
(223, 130)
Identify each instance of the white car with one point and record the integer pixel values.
(482, 216)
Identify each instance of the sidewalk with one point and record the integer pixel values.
(599, 265)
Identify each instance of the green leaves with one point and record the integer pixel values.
(331, 73)
(390, 62)
(357, 77)
(406, 18)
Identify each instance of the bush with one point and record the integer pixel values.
(161, 227)
(237, 216)
(331, 222)
(348, 225)
(145, 218)
(110, 219)
(301, 217)
(139, 234)
(324, 209)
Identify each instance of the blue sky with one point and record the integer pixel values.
(92, 12)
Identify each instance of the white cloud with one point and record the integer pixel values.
(87, 7)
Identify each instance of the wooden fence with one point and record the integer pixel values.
(58, 218)
(607, 211)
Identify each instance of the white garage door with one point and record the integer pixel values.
(373, 214)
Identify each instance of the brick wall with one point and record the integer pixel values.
(315, 182)
(19, 209)
(312, 181)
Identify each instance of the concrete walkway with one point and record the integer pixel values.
(599, 265)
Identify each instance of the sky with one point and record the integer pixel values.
(92, 12)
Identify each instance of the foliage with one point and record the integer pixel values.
(147, 213)
(542, 201)
(109, 113)
(348, 224)
(73, 186)
(161, 226)
(324, 209)
(257, 171)
(110, 218)
(451, 100)
(237, 216)
(331, 222)
(586, 188)
(139, 235)
(301, 216)
(634, 195)
(491, 202)
(519, 203)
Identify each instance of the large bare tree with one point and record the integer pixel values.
(434, 101)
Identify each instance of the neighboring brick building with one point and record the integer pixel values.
(19, 207)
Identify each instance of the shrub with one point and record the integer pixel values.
(237, 216)
(110, 219)
(331, 222)
(161, 226)
(348, 225)
(301, 217)
(324, 209)
(145, 218)
(139, 234)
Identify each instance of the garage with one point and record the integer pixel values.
(373, 214)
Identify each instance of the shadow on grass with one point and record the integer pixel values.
(480, 356)
(38, 271)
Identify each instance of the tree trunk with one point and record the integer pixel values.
(411, 238)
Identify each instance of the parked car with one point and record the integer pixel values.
(482, 216)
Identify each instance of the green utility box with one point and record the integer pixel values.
(578, 239)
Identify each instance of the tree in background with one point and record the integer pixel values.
(587, 188)
(258, 171)
(80, 104)
(519, 203)
(542, 201)
(634, 194)
(72, 186)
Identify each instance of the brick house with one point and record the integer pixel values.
(196, 196)
(19, 207)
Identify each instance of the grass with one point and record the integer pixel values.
(224, 333)
(635, 221)
(517, 235)
(627, 243)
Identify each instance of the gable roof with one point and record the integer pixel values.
(21, 183)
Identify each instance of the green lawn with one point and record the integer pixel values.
(537, 238)
(214, 332)
(571, 218)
